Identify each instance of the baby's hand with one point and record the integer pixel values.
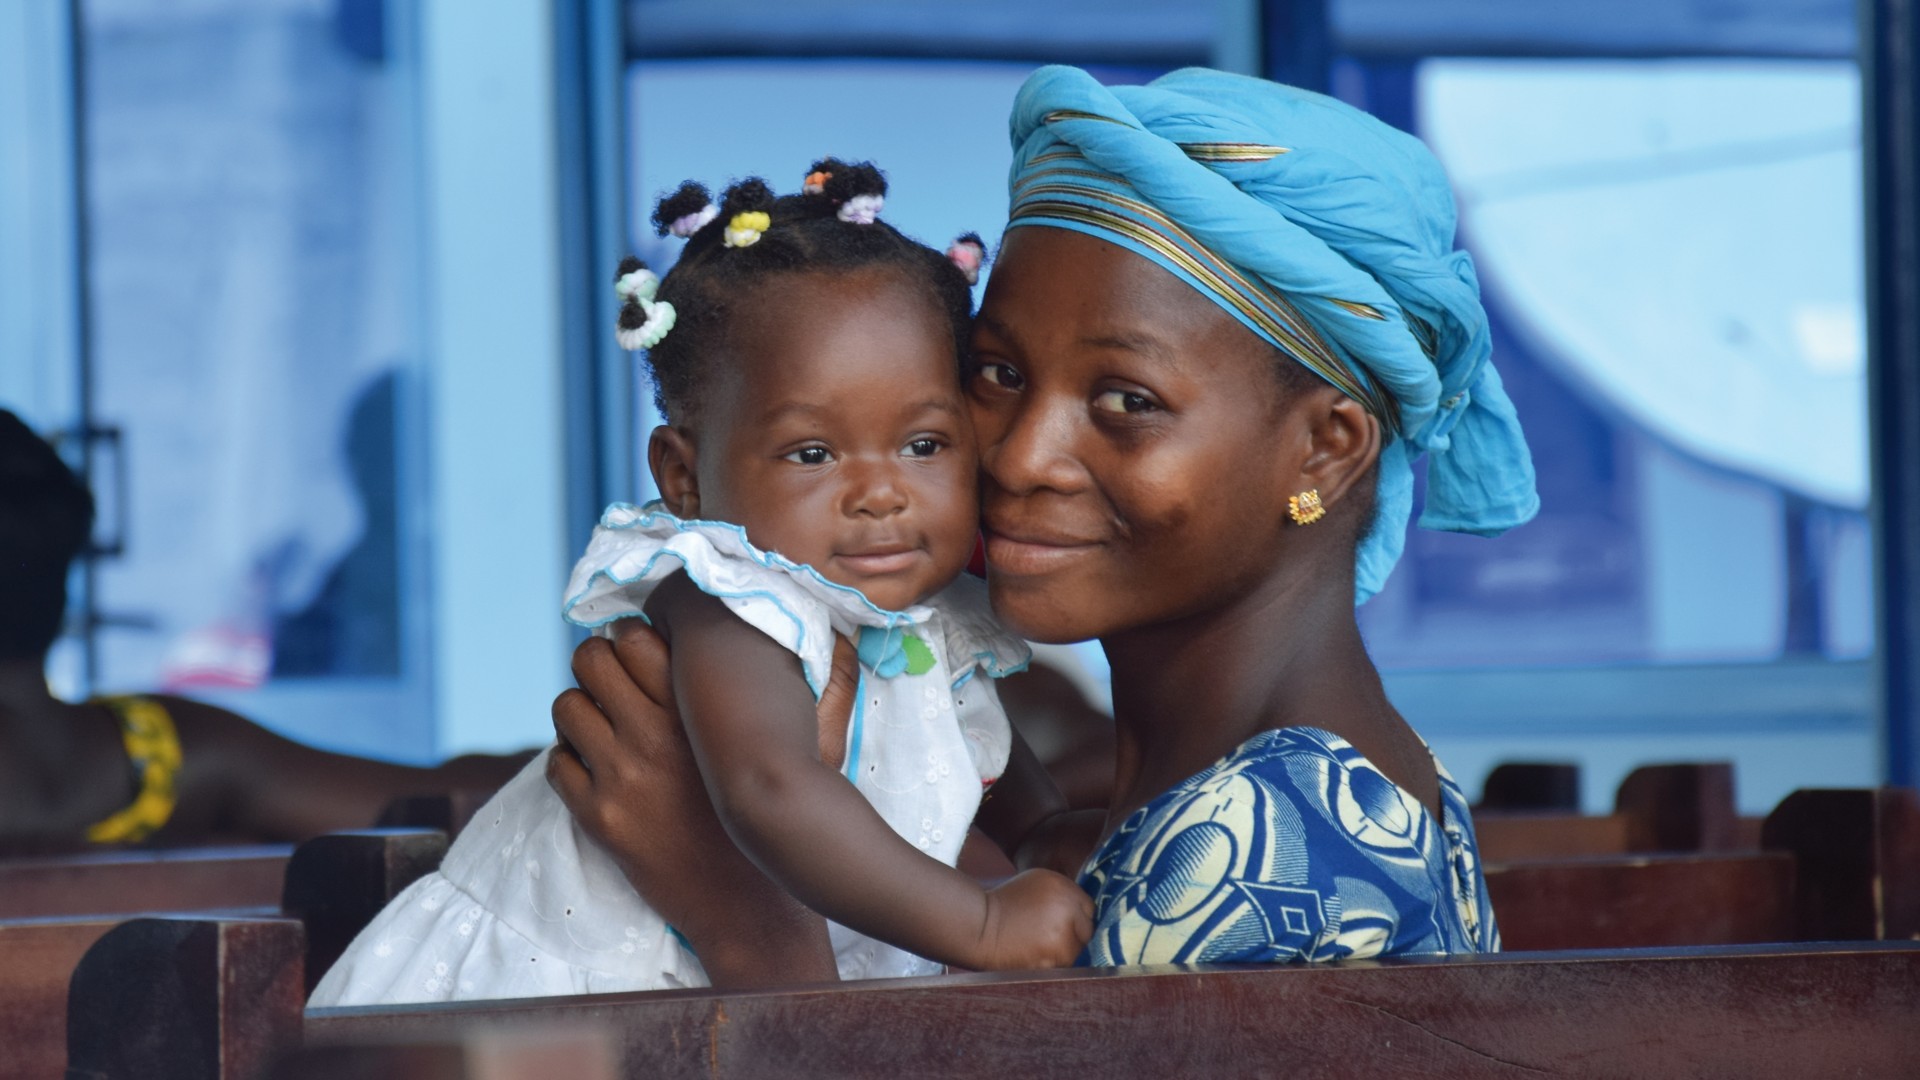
(1038, 919)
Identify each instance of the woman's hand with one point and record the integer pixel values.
(1062, 842)
(624, 769)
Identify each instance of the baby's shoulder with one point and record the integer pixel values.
(971, 635)
(636, 549)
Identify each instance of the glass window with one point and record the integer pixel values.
(1671, 253)
(250, 254)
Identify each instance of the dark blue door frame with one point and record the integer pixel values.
(590, 94)
(1890, 81)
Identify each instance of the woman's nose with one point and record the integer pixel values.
(1034, 451)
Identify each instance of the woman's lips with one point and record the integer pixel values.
(1024, 553)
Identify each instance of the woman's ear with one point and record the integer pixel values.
(1343, 442)
(672, 458)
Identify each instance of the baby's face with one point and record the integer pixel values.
(841, 438)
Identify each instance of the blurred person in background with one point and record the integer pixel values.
(144, 768)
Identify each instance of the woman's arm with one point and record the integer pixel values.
(750, 722)
(625, 770)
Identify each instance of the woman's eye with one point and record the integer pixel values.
(1121, 401)
(810, 455)
(1002, 375)
(923, 448)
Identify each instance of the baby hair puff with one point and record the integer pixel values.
(743, 240)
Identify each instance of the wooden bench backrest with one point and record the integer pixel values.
(1670, 808)
(1858, 861)
(187, 998)
(447, 812)
(1531, 787)
(538, 1055)
(1644, 901)
(130, 882)
(1803, 1012)
(336, 884)
(171, 1006)
(37, 956)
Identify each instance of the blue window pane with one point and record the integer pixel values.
(250, 267)
(1671, 255)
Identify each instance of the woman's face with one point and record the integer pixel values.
(1134, 457)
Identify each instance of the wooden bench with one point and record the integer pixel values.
(130, 882)
(333, 885)
(1640, 901)
(1837, 865)
(37, 956)
(447, 812)
(1656, 808)
(337, 883)
(1803, 1012)
(1857, 857)
(188, 998)
(561, 1054)
(170, 1006)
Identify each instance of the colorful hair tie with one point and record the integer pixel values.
(689, 224)
(745, 228)
(816, 182)
(969, 253)
(651, 320)
(862, 209)
(643, 321)
(637, 286)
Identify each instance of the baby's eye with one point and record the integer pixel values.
(810, 455)
(1002, 375)
(1122, 401)
(922, 448)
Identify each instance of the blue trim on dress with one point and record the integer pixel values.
(858, 726)
(654, 513)
(800, 628)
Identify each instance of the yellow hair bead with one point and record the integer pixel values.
(744, 229)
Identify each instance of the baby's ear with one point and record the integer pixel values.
(673, 460)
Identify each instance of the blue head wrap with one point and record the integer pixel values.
(1323, 230)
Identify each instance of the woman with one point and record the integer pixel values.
(1226, 318)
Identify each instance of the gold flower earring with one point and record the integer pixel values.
(1306, 507)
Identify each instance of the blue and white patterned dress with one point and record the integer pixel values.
(1292, 847)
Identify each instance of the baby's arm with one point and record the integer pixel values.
(750, 720)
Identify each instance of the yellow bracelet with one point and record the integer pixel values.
(153, 746)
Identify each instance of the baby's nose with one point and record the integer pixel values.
(879, 492)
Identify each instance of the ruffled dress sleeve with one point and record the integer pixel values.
(634, 548)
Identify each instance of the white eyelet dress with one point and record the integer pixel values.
(527, 905)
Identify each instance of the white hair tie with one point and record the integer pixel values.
(689, 224)
(652, 331)
(862, 209)
(637, 285)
